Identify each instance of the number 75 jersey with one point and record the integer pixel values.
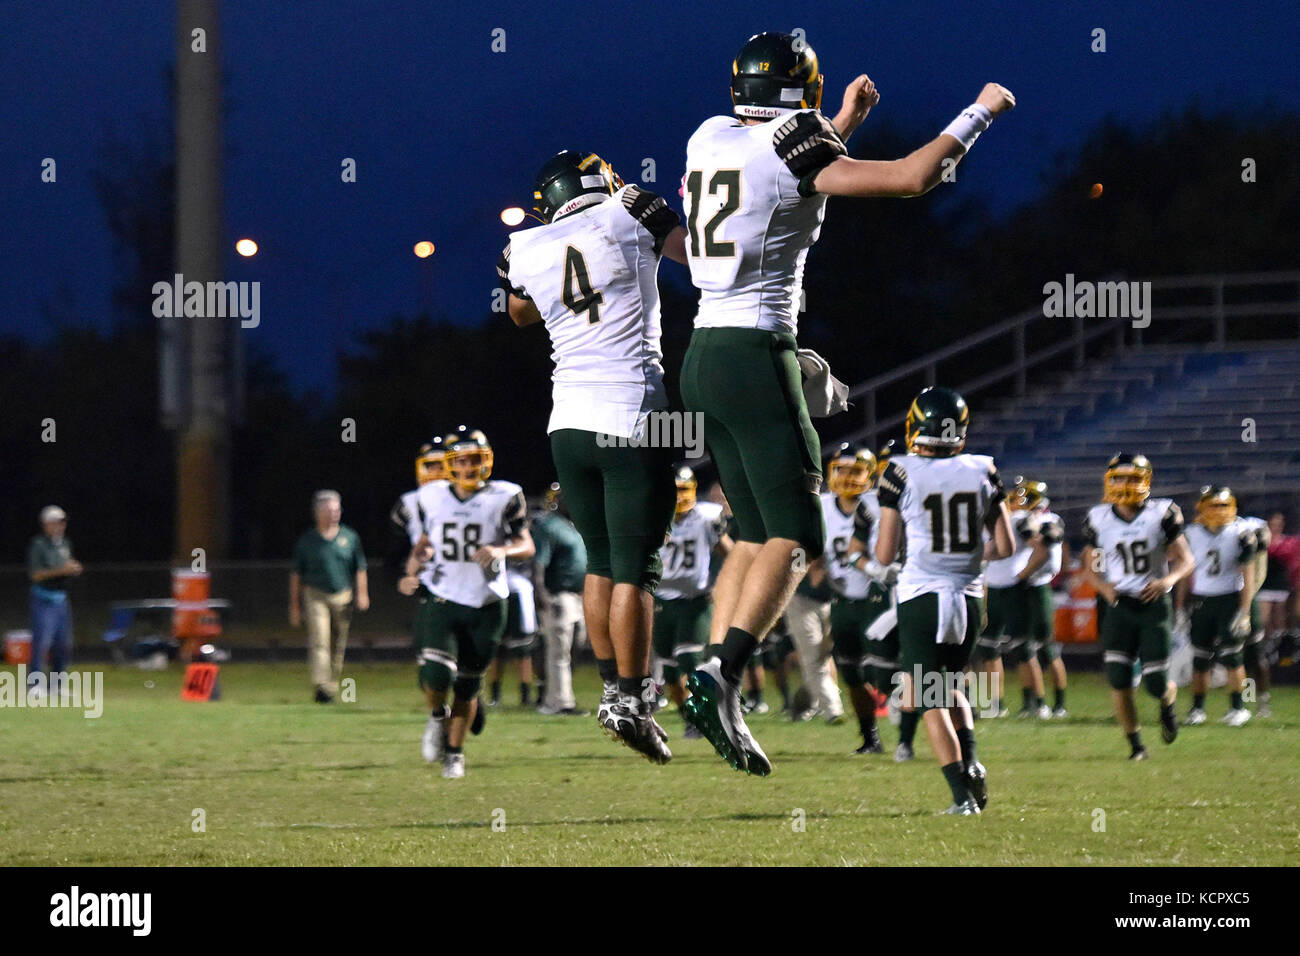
(752, 215)
(1133, 551)
(944, 504)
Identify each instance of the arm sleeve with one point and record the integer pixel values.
(1089, 533)
(892, 484)
(997, 494)
(1172, 523)
(503, 274)
(651, 213)
(1052, 530)
(1247, 542)
(515, 517)
(807, 143)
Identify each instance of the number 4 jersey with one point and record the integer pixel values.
(945, 504)
(1134, 551)
(591, 275)
(752, 215)
(456, 529)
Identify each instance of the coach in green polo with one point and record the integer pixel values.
(328, 578)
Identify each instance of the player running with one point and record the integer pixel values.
(1138, 541)
(1256, 652)
(471, 525)
(683, 606)
(589, 274)
(755, 193)
(1222, 587)
(942, 501)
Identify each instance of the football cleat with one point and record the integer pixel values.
(835, 720)
(608, 697)
(977, 783)
(903, 753)
(1060, 713)
(967, 808)
(480, 719)
(1168, 724)
(453, 767)
(871, 744)
(714, 706)
(630, 721)
(1195, 717)
(691, 732)
(431, 742)
(1044, 712)
(1265, 709)
(1139, 753)
(1235, 717)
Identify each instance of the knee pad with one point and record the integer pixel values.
(1231, 657)
(1202, 659)
(466, 688)
(851, 671)
(1017, 653)
(1119, 670)
(436, 676)
(1155, 682)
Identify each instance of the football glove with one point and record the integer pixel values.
(1240, 626)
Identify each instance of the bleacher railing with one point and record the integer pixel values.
(1212, 309)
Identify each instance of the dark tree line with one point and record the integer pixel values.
(888, 281)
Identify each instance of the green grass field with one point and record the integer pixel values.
(285, 781)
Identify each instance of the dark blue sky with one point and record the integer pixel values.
(446, 133)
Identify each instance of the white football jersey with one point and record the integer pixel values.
(591, 275)
(406, 515)
(456, 529)
(1003, 572)
(863, 523)
(691, 540)
(945, 504)
(1220, 556)
(752, 217)
(1134, 551)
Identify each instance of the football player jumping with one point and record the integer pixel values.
(472, 523)
(589, 274)
(1222, 587)
(755, 193)
(942, 501)
(683, 606)
(1138, 542)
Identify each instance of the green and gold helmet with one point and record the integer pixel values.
(1027, 495)
(1216, 507)
(851, 470)
(1128, 480)
(570, 180)
(686, 488)
(882, 457)
(775, 72)
(937, 420)
(469, 458)
(430, 464)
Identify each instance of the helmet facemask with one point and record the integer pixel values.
(1127, 484)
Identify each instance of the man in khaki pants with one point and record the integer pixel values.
(329, 568)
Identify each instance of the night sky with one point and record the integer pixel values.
(446, 133)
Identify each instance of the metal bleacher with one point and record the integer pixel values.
(1209, 390)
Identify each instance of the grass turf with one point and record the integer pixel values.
(281, 780)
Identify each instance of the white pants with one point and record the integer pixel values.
(809, 624)
(562, 623)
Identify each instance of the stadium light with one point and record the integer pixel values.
(512, 216)
(424, 249)
(246, 248)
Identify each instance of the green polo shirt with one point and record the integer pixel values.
(329, 565)
(561, 552)
(45, 553)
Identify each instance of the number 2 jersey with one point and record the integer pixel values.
(1133, 551)
(1220, 556)
(862, 523)
(591, 275)
(688, 550)
(945, 504)
(491, 516)
(752, 215)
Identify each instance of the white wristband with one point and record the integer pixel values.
(968, 125)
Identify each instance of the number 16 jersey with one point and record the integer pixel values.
(1134, 551)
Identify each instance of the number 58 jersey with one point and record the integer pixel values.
(591, 275)
(456, 529)
(1134, 551)
(752, 215)
(944, 504)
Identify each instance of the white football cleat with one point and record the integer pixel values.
(1235, 717)
(453, 768)
(1044, 712)
(431, 742)
(1195, 716)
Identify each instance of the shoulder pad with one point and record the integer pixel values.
(807, 143)
(651, 212)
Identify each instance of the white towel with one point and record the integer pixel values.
(823, 392)
(952, 617)
(883, 624)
